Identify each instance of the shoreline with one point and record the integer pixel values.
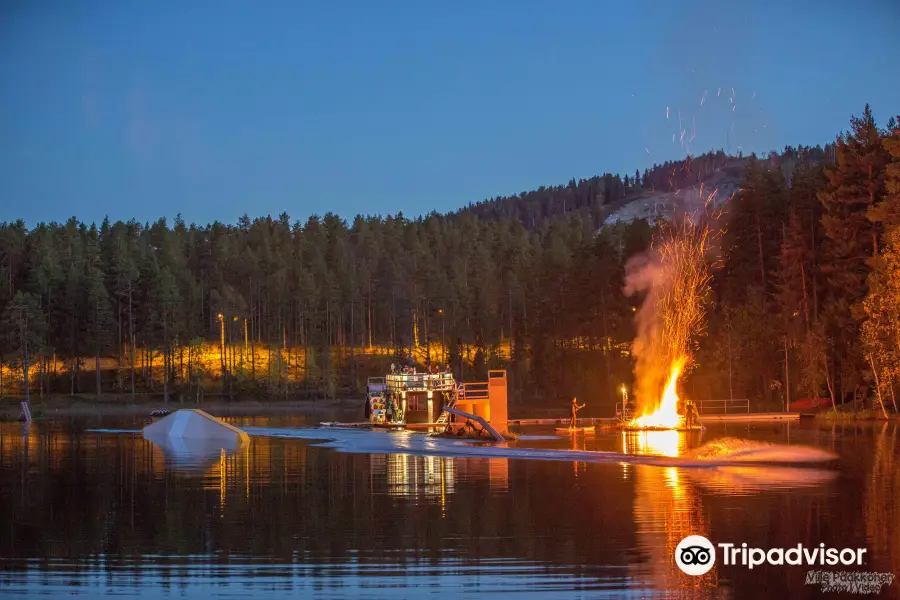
(66, 406)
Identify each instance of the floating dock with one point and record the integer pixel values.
(727, 418)
(771, 416)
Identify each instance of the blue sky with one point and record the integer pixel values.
(214, 109)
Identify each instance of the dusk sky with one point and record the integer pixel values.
(215, 109)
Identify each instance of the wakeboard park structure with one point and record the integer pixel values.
(195, 425)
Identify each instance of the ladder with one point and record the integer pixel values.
(442, 420)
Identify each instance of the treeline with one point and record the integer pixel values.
(805, 304)
(289, 307)
(525, 283)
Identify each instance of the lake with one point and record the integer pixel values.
(110, 514)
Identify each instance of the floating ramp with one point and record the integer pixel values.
(194, 424)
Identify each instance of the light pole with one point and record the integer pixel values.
(231, 341)
(443, 346)
(222, 344)
(624, 396)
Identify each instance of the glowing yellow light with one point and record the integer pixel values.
(667, 414)
(658, 443)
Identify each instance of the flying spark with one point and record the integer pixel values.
(645, 148)
(753, 96)
(703, 98)
(719, 93)
(683, 250)
(667, 112)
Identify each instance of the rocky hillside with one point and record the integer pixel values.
(651, 205)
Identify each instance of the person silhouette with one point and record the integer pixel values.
(575, 409)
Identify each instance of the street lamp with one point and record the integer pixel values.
(222, 344)
(443, 346)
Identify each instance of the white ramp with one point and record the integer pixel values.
(193, 424)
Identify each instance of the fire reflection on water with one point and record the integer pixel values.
(658, 443)
(667, 508)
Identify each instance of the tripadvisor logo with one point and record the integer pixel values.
(696, 555)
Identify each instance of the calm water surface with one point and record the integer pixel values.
(110, 514)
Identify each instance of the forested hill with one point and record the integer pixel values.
(600, 196)
(277, 307)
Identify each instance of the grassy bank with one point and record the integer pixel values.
(51, 406)
(844, 416)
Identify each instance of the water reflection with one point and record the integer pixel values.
(407, 475)
(101, 513)
(657, 443)
(194, 456)
(667, 508)
(882, 497)
(747, 480)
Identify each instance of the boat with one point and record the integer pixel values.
(809, 404)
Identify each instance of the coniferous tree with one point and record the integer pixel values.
(23, 327)
(855, 187)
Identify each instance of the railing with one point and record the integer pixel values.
(421, 381)
(723, 407)
(468, 392)
(624, 412)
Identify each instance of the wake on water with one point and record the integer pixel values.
(718, 453)
(738, 450)
(738, 465)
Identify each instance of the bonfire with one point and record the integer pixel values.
(675, 277)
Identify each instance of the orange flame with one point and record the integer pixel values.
(666, 416)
